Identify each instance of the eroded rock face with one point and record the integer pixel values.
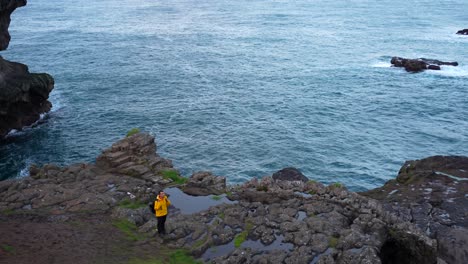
(431, 193)
(23, 95)
(6, 8)
(417, 65)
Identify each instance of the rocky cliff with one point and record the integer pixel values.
(278, 219)
(433, 194)
(23, 95)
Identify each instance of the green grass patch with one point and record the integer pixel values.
(240, 238)
(182, 257)
(129, 229)
(216, 197)
(8, 249)
(337, 185)
(131, 204)
(332, 242)
(133, 131)
(313, 192)
(221, 215)
(174, 176)
(145, 261)
(262, 188)
(8, 212)
(312, 181)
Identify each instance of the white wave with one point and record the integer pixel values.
(24, 172)
(451, 71)
(381, 64)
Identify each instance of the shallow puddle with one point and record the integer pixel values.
(188, 204)
(223, 250)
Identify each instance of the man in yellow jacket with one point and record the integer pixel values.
(160, 206)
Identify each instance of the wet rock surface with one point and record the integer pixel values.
(432, 193)
(421, 64)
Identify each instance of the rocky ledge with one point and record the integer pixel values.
(433, 194)
(421, 64)
(283, 218)
(23, 95)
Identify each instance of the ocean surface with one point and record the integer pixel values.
(245, 88)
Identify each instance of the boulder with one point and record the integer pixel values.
(289, 174)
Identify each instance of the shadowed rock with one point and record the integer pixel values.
(463, 32)
(6, 8)
(417, 65)
(432, 194)
(289, 174)
(205, 183)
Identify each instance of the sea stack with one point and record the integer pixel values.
(23, 95)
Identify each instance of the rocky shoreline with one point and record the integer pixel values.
(283, 218)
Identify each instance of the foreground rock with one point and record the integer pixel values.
(129, 170)
(268, 220)
(417, 65)
(463, 32)
(23, 95)
(432, 193)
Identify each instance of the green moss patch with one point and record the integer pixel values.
(174, 176)
(129, 229)
(332, 242)
(131, 204)
(8, 249)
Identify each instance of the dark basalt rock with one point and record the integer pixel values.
(6, 8)
(417, 65)
(463, 32)
(432, 194)
(289, 174)
(23, 95)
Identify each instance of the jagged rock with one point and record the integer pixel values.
(289, 174)
(135, 156)
(463, 31)
(417, 65)
(432, 194)
(23, 96)
(205, 183)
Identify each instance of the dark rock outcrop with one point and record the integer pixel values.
(6, 8)
(463, 31)
(23, 95)
(289, 174)
(432, 193)
(417, 65)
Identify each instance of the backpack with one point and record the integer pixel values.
(151, 207)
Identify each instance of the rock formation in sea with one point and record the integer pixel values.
(23, 95)
(417, 65)
(432, 193)
(463, 31)
(268, 220)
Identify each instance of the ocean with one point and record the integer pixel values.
(245, 88)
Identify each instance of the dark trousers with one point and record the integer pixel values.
(161, 224)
